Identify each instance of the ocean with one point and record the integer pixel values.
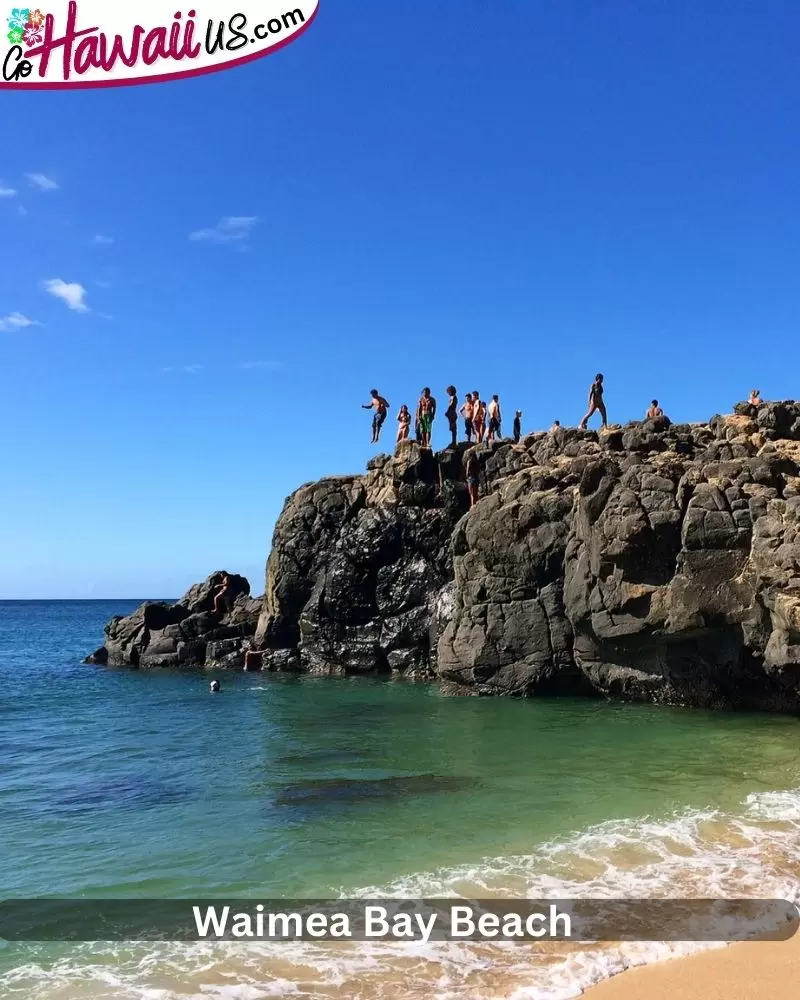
(121, 783)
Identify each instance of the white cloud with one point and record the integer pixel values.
(102, 241)
(71, 293)
(21, 210)
(42, 181)
(227, 230)
(248, 365)
(16, 321)
(6, 192)
(186, 369)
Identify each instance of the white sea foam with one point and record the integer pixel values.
(754, 852)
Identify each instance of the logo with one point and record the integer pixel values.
(93, 43)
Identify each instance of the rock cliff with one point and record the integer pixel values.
(651, 562)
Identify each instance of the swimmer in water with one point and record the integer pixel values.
(215, 687)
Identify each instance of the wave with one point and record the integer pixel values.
(753, 852)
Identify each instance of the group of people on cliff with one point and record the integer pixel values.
(482, 421)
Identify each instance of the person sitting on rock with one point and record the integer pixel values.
(478, 418)
(495, 419)
(223, 594)
(452, 414)
(403, 423)
(473, 473)
(596, 404)
(426, 412)
(755, 397)
(466, 413)
(556, 426)
(381, 408)
(517, 426)
(654, 411)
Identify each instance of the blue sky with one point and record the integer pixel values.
(508, 197)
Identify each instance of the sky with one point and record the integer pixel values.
(508, 197)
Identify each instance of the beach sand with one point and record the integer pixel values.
(745, 971)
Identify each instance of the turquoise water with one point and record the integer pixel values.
(121, 783)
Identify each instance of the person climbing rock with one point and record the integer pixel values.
(596, 403)
(403, 423)
(495, 419)
(426, 413)
(381, 408)
(452, 414)
(467, 411)
(473, 474)
(222, 597)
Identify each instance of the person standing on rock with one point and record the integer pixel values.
(452, 414)
(596, 404)
(655, 411)
(403, 423)
(473, 473)
(478, 418)
(426, 412)
(495, 419)
(517, 426)
(381, 408)
(466, 412)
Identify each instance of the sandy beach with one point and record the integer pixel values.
(740, 972)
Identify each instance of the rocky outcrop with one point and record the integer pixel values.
(187, 633)
(654, 561)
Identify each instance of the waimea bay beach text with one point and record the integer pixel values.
(379, 922)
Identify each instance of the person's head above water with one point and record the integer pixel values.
(214, 687)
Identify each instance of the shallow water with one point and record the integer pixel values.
(121, 783)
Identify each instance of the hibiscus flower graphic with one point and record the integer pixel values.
(19, 18)
(36, 18)
(33, 34)
(15, 36)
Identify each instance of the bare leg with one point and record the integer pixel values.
(582, 424)
(602, 408)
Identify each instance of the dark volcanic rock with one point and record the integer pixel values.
(655, 561)
(187, 633)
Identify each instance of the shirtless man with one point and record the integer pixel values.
(473, 472)
(381, 408)
(654, 411)
(478, 417)
(596, 404)
(495, 419)
(403, 423)
(452, 414)
(755, 397)
(426, 411)
(466, 412)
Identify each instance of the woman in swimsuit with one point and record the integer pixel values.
(403, 423)
(479, 419)
(596, 404)
(452, 414)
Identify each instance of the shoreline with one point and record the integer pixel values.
(740, 971)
